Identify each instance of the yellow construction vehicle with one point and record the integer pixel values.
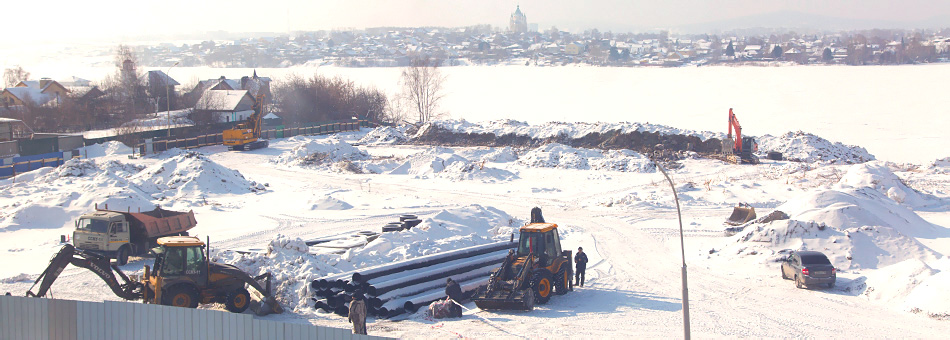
(182, 276)
(532, 274)
(247, 135)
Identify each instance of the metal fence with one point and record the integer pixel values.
(197, 141)
(48, 319)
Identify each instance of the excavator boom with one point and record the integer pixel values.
(130, 290)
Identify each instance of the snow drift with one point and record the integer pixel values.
(191, 176)
(806, 147)
(556, 155)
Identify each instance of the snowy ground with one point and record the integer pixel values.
(883, 225)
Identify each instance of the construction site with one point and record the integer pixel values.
(295, 229)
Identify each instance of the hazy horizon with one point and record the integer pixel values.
(113, 20)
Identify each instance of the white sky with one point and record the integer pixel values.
(65, 21)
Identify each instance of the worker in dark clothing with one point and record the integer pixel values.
(357, 313)
(454, 292)
(536, 215)
(581, 260)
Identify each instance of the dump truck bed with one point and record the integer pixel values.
(159, 222)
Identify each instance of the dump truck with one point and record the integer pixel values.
(530, 275)
(120, 234)
(182, 275)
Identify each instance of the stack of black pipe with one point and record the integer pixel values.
(395, 288)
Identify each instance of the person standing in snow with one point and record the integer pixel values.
(581, 260)
(357, 314)
(454, 292)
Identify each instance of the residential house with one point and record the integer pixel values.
(574, 48)
(221, 106)
(43, 92)
(255, 85)
(159, 86)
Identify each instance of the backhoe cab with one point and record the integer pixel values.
(538, 269)
(184, 277)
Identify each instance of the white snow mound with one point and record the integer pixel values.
(806, 147)
(438, 162)
(320, 153)
(384, 135)
(877, 175)
(555, 129)
(556, 155)
(191, 176)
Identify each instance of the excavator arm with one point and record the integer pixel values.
(734, 126)
(130, 290)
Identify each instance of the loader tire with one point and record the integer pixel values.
(542, 284)
(181, 296)
(563, 284)
(237, 300)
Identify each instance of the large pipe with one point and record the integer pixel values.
(436, 285)
(395, 278)
(482, 267)
(425, 261)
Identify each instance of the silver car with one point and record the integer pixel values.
(809, 268)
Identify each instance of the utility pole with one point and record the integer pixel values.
(679, 215)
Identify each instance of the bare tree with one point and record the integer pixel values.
(12, 76)
(422, 87)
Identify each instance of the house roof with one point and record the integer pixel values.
(221, 100)
(159, 78)
(35, 95)
(74, 81)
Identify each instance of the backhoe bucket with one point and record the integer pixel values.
(740, 215)
(523, 300)
(265, 306)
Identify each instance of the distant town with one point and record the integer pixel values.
(522, 43)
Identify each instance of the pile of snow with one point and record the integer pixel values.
(294, 266)
(384, 135)
(806, 147)
(941, 166)
(556, 155)
(439, 162)
(557, 129)
(323, 152)
(191, 176)
(877, 175)
(104, 149)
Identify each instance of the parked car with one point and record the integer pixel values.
(809, 268)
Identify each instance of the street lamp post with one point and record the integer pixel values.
(168, 99)
(682, 250)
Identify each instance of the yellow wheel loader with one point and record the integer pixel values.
(182, 276)
(530, 275)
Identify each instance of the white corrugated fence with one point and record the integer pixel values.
(29, 318)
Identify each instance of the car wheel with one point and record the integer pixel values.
(798, 282)
(831, 285)
(784, 277)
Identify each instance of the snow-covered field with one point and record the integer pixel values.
(884, 226)
(899, 113)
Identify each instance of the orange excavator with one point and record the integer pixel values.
(247, 135)
(741, 149)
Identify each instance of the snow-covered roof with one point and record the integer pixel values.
(35, 95)
(74, 81)
(221, 100)
(159, 78)
(271, 116)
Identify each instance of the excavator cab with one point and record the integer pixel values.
(532, 274)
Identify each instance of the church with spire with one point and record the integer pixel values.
(518, 22)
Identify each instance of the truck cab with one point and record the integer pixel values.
(103, 232)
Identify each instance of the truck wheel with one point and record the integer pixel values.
(563, 284)
(237, 300)
(122, 257)
(542, 285)
(180, 296)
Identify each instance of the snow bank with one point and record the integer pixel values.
(323, 152)
(444, 163)
(384, 135)
(878, 175)
(294, 266)
(105, 149)
(941, 166)
(558, 129)
(191, 176)
(809, 148)
(556, 155)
